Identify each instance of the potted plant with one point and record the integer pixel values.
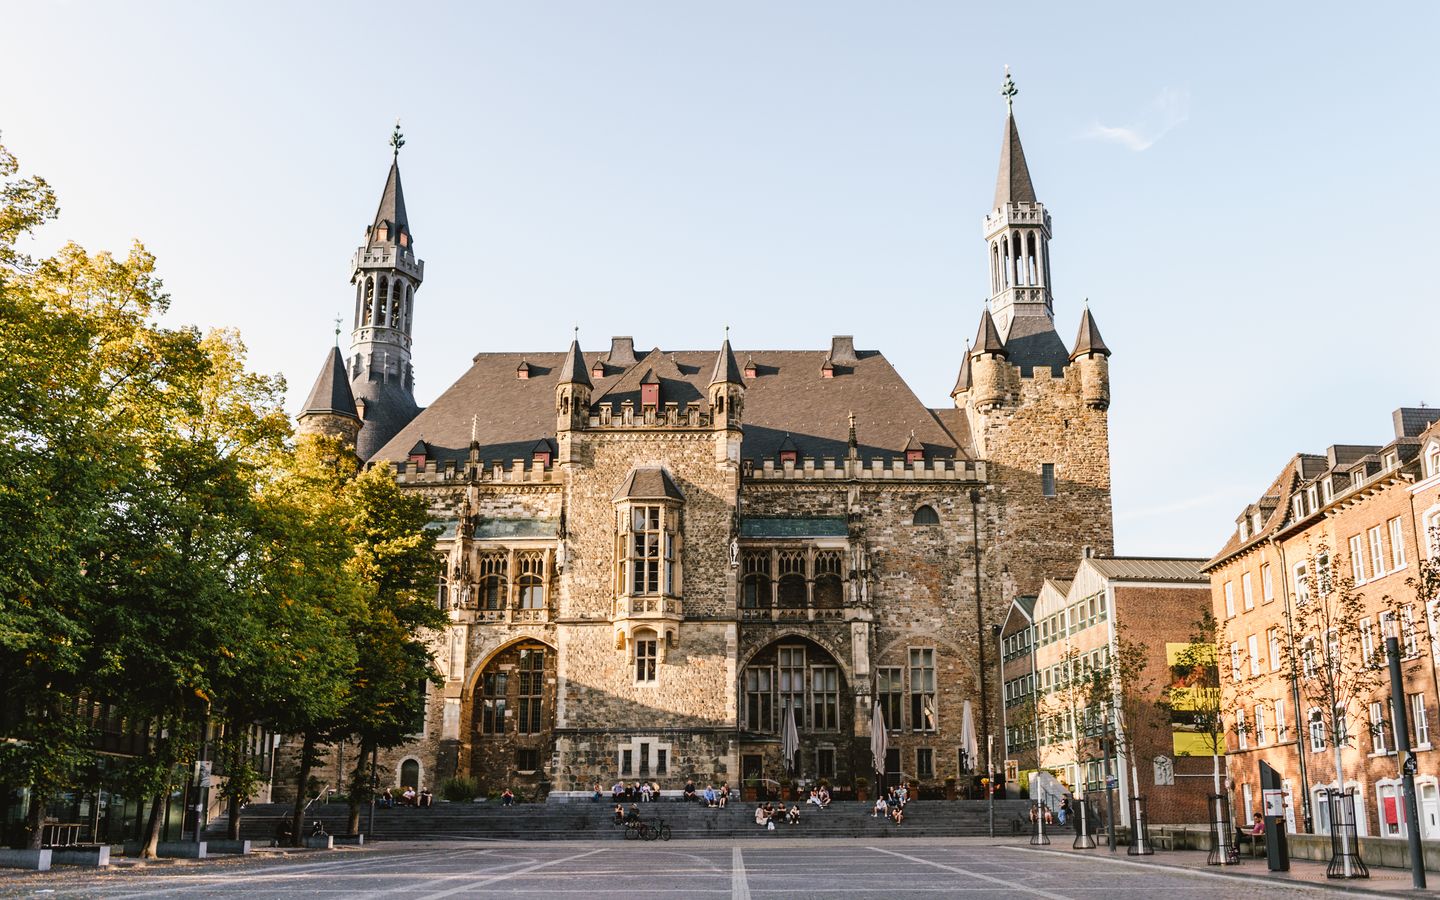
(752, 789)
(950, 787)
(862, 789)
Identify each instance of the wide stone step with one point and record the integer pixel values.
(592, 821)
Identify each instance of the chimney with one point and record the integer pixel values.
(622, 352)
(842, 350)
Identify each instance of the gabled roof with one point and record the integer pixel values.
(1013, 184)
(1089, 339)
(1140, 568)
(648, 483)
(787, 396)
(913, 444)
(1277, 497)
(331, 393)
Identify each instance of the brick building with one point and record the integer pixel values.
(1356, 518)
(1054, 645)
(650, 556)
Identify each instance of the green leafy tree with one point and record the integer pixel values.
(1125, 690)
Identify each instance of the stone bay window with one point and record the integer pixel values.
(649, 529)
(790, 582)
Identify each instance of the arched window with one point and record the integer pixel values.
(757, 593)
(369, 303)
(829, 590)
(410, 774)
(493, 581)
(442, 588)
(532, 580)
(792, 580)
(926, 515)
(382, 308)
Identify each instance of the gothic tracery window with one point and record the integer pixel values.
(532, 579)
(493, 580)
(792, 579)
(756, 591)
(829, 589)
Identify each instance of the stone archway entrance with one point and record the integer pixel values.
(796, 673)
(512, 719)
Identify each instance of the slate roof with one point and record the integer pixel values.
(1277, 494)
(572, 367)
(331, 393)
(1139, 568)
(964, 379)
(787, 396)
(389, 408)
(1013, 185)
(1089, 339)
(648, 483)
(987, 339)
(726, 371)
(392, 207)
(1032, 344)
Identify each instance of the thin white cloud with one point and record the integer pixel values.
(1166, 112)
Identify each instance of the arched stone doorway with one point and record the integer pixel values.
(512, 719)
(797, 673)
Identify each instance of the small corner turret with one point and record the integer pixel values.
(727, 388)
(1093, 358)
(572, 393)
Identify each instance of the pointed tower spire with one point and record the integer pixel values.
(572, 370)
(1018, 233)
(964, 379)
(1089, 341)
(726, 370)
(386, 275)
(330, 408)
(987, 339)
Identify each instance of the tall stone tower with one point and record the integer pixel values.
(386, 274)
(1037, 412)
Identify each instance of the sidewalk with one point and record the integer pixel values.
(1303, 872)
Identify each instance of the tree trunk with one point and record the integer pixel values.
(360, 787)
(297, 818)
(150, 841)
(235, 807)
(35, 820)
(1340, 785)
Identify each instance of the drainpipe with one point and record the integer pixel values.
(980, 629)
(1301, 717)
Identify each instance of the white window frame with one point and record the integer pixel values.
(1357, 559)
(1432, 459)
(1420, 720)
(1397, 544)
(1253, 645)
(1377, 730)
(1241, 733)
(1272, 635)
(1315, 728)
(1247, 591)
(1229, 599)
(1235, 664)
(1260, 725)
(1267, 584)
(1282, 728)
(1367, 641)
(1409, 634)
(1376, 537)
(1301, 574)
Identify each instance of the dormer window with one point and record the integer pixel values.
(1244, 529)
(419, 453)
(597, 370)
(1391, 460)
(827, 369)
(1326, 490)
(522, 371)
(1255, 523)
(1432, 459)
(789, 453)
(541, 454)
(1357, 476)
(1313, 497)
(750, 369)
(1297, 506)
(914, 450)
(650, 390)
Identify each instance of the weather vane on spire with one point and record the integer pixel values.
(1008, 91)
(337, 331)
(397, 140)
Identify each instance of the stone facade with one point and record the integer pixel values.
(696, 547)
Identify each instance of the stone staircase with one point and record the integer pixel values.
(592, 821)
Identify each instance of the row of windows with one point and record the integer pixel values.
(492, 587)
(811, 691)
(1313, 655)
(1269, 723)
(1074, 618)
(1017, 644)
(896, 698)
(792, 579)
(1369, 550)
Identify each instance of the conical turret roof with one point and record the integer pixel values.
(1089, 339)
(331, 393)
(572, 370)
(963, 380)
(1013, 184)
(987, 340)
(392, 208)
(726, 371)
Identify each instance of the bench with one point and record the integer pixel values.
(1163, 841)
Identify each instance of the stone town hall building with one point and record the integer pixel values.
(650, 554)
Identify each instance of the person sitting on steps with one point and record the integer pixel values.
(507, 798)
(793, 816)
(689, 793)
(619, 813)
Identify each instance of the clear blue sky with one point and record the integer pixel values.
(1246, 192)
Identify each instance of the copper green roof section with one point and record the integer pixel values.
(793, 528)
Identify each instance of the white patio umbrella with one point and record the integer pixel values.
(789, 739)
(967, 735)
(877, 740)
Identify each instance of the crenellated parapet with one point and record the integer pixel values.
(830, 469)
